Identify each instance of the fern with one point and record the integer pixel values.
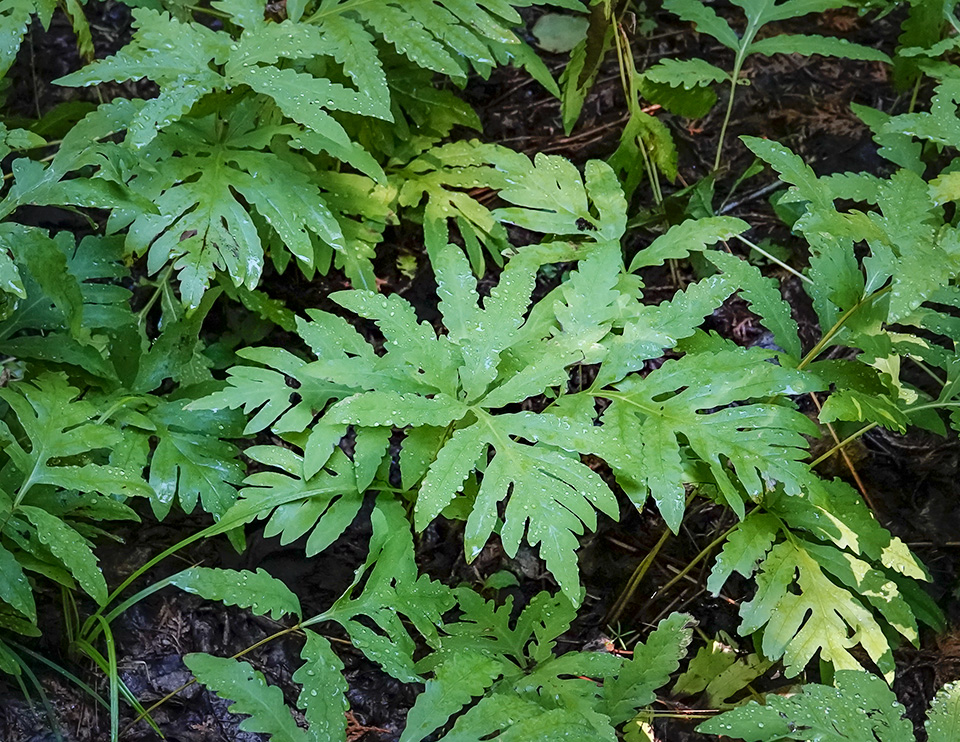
(239, 149)
(294, 137)
(858, 708)
(718, 416)
(258, 591)
(699, 75)
(485, 668)
(55, 479)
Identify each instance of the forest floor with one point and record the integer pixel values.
(910, 482)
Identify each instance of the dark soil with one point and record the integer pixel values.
(911, 481)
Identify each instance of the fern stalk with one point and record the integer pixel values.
(837, 326)
(628, 73)
(745, 41)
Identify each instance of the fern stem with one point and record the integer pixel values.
(774, 259)
(916, 92)
(210, 11)
(164, 277)
(639, 573)
(843, 444)
(928, 371)
(867, 428)
(837, 326)
(726, 116)
(628, 75)
(846, 458)
(704, 552)
(742, 51)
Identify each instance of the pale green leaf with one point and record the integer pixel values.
(859, 708)
(685, 73)
(706, 19)
(248, 690)
(808, 45)
(943, 718)
(70, 548)
(257, 591)
(323, 693)
(744, 549)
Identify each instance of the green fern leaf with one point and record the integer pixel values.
(191, 461)
(258, 591)
(693, 235)
(744, 549)
(552, 496)
(70, 548)
(551, 198)
(15, 590)
(203, 227)
(819, 617)
(706, 20)
(455, 683)
(393, 409)
(525, 686)
(650, 668)
(524, 720)
(323, 695)
(859, 708)
(60, 428)
(902, 234)
(761, 441)
(391, 589)
(763, 296)
(239, 682)
(301, 505)
(14, 18)
(943, 719)
(809, 45)
(849, 404)
(656, 328)
(687, 74)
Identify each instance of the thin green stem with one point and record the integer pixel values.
(640, 572)
(727, 115)
(867, 428)
(837, 326)
(628, 73)
(913, 96)
(774, 259)
(210, 11)
(120, 403)
(928, 371)
(704, 552)
(843, 444)
(113, 679)
(164, 277)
